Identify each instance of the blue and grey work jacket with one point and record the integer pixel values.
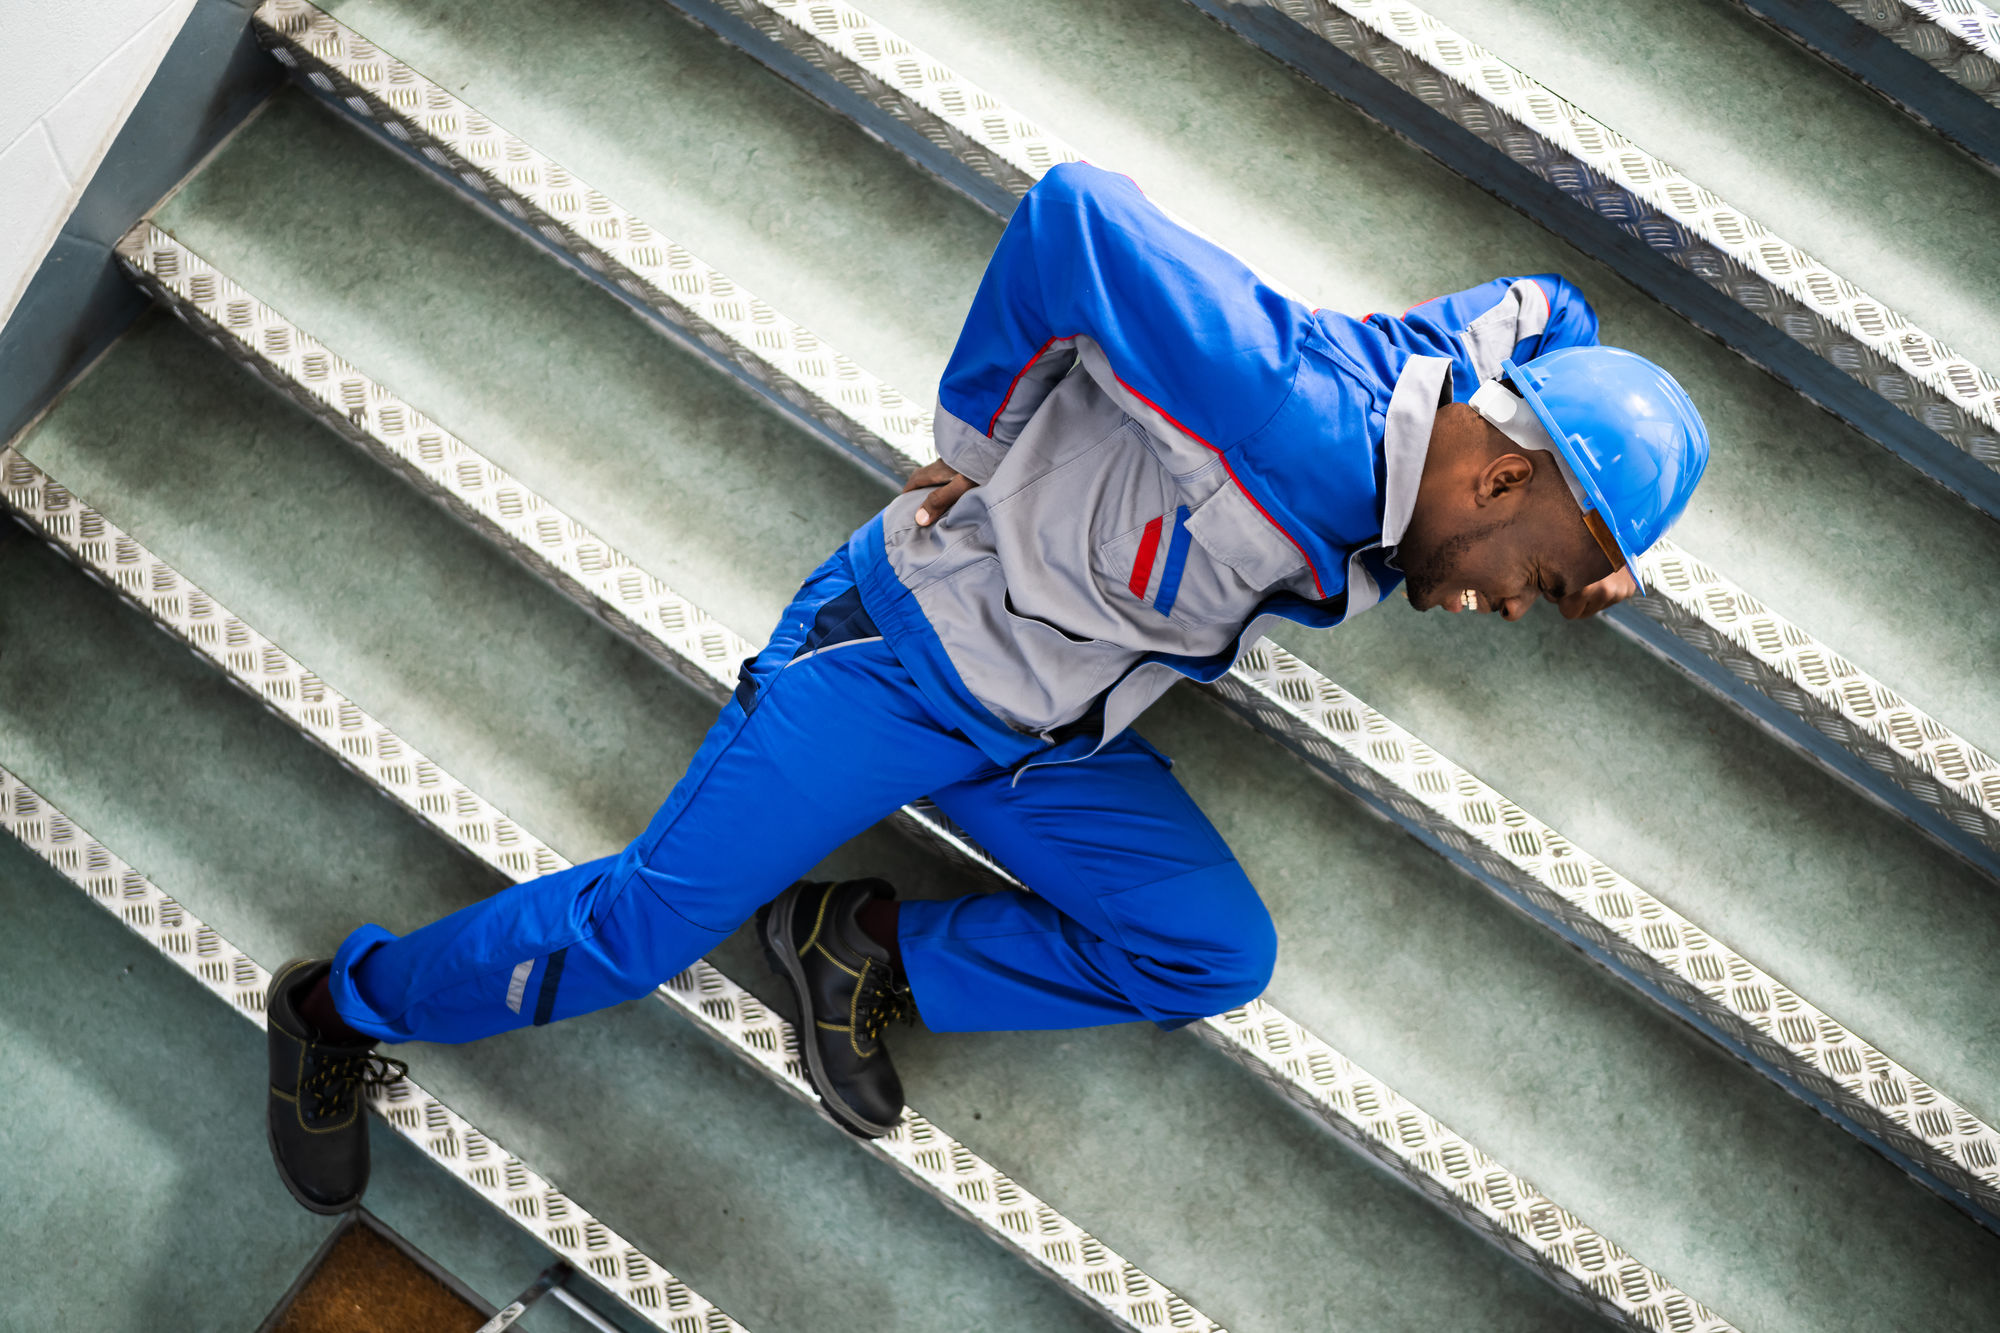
(1170, 452)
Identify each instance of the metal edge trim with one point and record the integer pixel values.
(701, 308)
(1576, 1259)
(1683, 245)
(942, 1166)
(1925, 68)
(528, 1199)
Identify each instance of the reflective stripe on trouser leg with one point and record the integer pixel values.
(832, 743)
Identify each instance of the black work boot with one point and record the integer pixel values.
(313, 1115)
(848, 989)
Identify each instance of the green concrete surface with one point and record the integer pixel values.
(1168, 1152)
(130, 1128)
(541, 371)
(1782, 135)
(719, 154)
(757, 1202)
(1818, 522)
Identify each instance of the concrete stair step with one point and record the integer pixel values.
(1732, 1018)
(1587, 971)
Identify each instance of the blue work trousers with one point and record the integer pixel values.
(1138, 909)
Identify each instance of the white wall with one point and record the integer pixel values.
(70, 72)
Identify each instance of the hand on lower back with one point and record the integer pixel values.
(944, 482)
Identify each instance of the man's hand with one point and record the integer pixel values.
(950, 485)
(1610, 590)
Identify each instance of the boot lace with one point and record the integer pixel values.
(337, 1080)
(881, 999)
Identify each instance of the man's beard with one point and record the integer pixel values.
(1423, 574)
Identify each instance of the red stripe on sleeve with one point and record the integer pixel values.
(1142, 568)
(1008, 397)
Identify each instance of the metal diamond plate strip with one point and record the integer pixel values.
(1940, 62)
(1649, 201)
(1957, 783)
(946, 1168)
(1453, 1173)
(250, 332)
(581, 564)
(1615, 921)
(552, 1217)
(895, 76)
(704, 308)
(1958, 38)
(1954, 793)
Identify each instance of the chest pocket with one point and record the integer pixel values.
(1202, 567)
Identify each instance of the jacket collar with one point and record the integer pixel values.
(1406, 440)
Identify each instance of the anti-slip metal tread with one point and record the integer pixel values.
(704, 308)
(1863, 361)
(944, 1167)
(964, 134)
(1479, 829)
(1619, 924)
(528, 1199)
(1937, 59)
(1959, 38)
(1855, 726)
(1824, 705)
(1362, 1109)
(1783, 309)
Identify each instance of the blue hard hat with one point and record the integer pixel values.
(1628, 433)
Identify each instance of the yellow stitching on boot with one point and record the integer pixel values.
(827, 954)
(832, 1027)
(819, 920)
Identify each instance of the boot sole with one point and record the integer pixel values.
(781, 952)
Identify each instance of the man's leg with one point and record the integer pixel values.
(825, 736)
(1138, 909)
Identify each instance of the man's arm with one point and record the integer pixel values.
(1507, 318)
(1183, 323)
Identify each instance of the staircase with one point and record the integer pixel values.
(491, 410)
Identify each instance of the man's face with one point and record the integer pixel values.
(1508, 534)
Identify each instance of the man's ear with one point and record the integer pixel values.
(1506, 476)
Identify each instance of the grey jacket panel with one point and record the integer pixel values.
(1027, 581)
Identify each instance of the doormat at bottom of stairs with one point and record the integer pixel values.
(367, 1279)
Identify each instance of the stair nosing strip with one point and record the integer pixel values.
(1939, 68)
(1740, 637)
(1338, 735)
(925, 1153)
(1974, 25)
(527, 1198)
(1941, 783)
(521, 521)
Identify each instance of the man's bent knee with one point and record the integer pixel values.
(1211, 948)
